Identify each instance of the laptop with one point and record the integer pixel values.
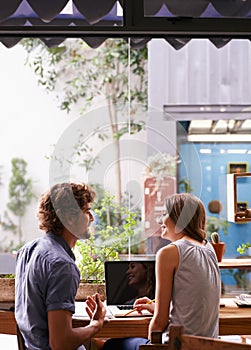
(125, 282)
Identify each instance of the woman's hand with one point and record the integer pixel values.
(144, 304)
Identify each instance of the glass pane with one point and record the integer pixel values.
(196, 9)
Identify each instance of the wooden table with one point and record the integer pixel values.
(120, 327)
(7, 322)
(233, 320)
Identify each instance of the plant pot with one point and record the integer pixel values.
(219, 250)
(86, 289)
(7, 290)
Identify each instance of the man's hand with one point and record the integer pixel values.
(95, 308)
(61, 333)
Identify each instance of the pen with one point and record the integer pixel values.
(131, 311)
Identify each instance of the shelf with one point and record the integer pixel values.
(237, 219)
(235, 263)
(238, 189)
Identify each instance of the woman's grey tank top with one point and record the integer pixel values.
(196, 290)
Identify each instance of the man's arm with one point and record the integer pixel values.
(61, 334)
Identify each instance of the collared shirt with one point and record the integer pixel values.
(47, 279)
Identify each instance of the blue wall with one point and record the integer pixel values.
(207, 174)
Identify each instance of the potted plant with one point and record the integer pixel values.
(109, 237)
(7, 268)
(218, 246)
(244, 249)
(7, 288)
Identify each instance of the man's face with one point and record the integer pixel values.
(82, 222)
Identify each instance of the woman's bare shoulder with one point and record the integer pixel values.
(168, 252)
(167, 259)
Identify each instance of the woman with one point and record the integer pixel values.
(187, 276)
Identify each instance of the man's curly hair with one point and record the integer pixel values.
(62, 198)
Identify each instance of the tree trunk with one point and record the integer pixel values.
(112, 108)
(118, 194)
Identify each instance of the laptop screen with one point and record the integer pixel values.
(128, 280)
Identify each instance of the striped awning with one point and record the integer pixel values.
(177, 21)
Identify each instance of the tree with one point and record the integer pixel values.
(20, 192)
(80, 74)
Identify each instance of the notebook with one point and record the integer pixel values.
(125, 282)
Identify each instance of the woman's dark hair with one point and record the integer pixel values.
(62, 198)
(150, 277)
(188, 214)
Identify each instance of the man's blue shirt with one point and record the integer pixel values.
(47, 279)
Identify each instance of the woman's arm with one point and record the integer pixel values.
(167, 261)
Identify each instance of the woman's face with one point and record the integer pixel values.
(168, 229)
(136, 274)
(165, 226)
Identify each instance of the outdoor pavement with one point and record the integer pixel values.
(8, 342)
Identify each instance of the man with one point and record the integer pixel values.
(47, 277)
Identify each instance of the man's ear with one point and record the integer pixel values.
(70, 218)
(67, 218)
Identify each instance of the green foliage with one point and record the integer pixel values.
(79, 75)
(8, 224)
(243, 248)
(82, 155)
(106, 240)
(240, 276)
(132, 127)
(84, 152)
(161, 165)
(214, 224)
(112, 211)
(185, 185)
(90, 259)
(8, 275)
(20, 188)
(20, 194)
(5, 246)
(113, 215)
(84, 73)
